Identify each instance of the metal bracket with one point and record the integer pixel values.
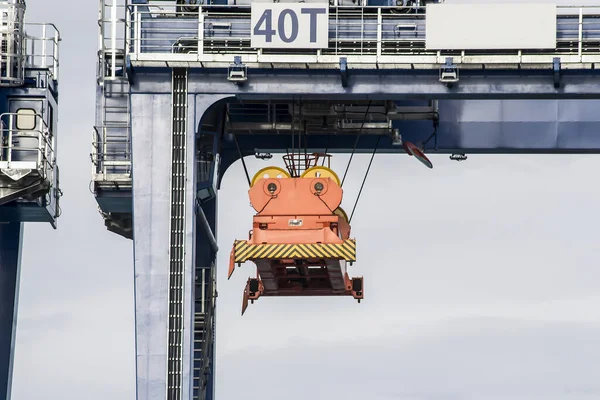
(205, 191)
(209, 233)
(449, 72)
(128, 69)
(344, 71)
(396, 137)
(119, 223)
(237, 72)
(433, 136)
(263, 156)
(458, 157)
(556, 71)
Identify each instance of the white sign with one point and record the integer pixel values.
(494, 26)
(289, 25)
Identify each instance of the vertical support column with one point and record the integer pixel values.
(151, 161)
(11, 235)
(164, 190)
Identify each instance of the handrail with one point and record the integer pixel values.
(44, 160)
(110, 155)
(47, 41)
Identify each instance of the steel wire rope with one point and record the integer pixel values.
(237, 144)
(326, 148)
(265, 206)
(323, 201)
(356, 142)
(292, 167)
(364, 179)
(242, 158)
(306, 144)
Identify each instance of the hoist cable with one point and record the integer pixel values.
(323, 201)
(365, 178)
(326, 148)
(292, 156)
(431, 136)
(356, 142)
(242, 158)
(305, 131)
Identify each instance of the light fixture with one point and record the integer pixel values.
(396, 137)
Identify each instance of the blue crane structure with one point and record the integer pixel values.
(29, 175)
(185, 89)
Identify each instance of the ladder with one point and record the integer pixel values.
(204, 329)
(177, 240)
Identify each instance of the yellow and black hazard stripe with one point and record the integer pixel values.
(244, 251)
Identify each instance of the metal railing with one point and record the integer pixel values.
(41, 47)
(24, 149)
(25, 45)
(111, 153)
(366, 35)
(111, 141)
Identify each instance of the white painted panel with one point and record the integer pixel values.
(292, 26)
(490, 26)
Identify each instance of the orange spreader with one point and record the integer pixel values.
(300, 238)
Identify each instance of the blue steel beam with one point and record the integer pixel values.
(383, 84)
(548, 123)
(484, 127)
(11, 235)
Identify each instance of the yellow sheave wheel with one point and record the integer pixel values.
(340, 211)
(321, 172)
(270, 172)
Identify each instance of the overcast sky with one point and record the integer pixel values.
(481, 279)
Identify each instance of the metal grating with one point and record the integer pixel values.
(177, 247)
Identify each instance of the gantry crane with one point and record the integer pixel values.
(199, 86)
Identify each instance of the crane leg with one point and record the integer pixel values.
(10, 260)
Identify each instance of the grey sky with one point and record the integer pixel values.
(481, 278)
